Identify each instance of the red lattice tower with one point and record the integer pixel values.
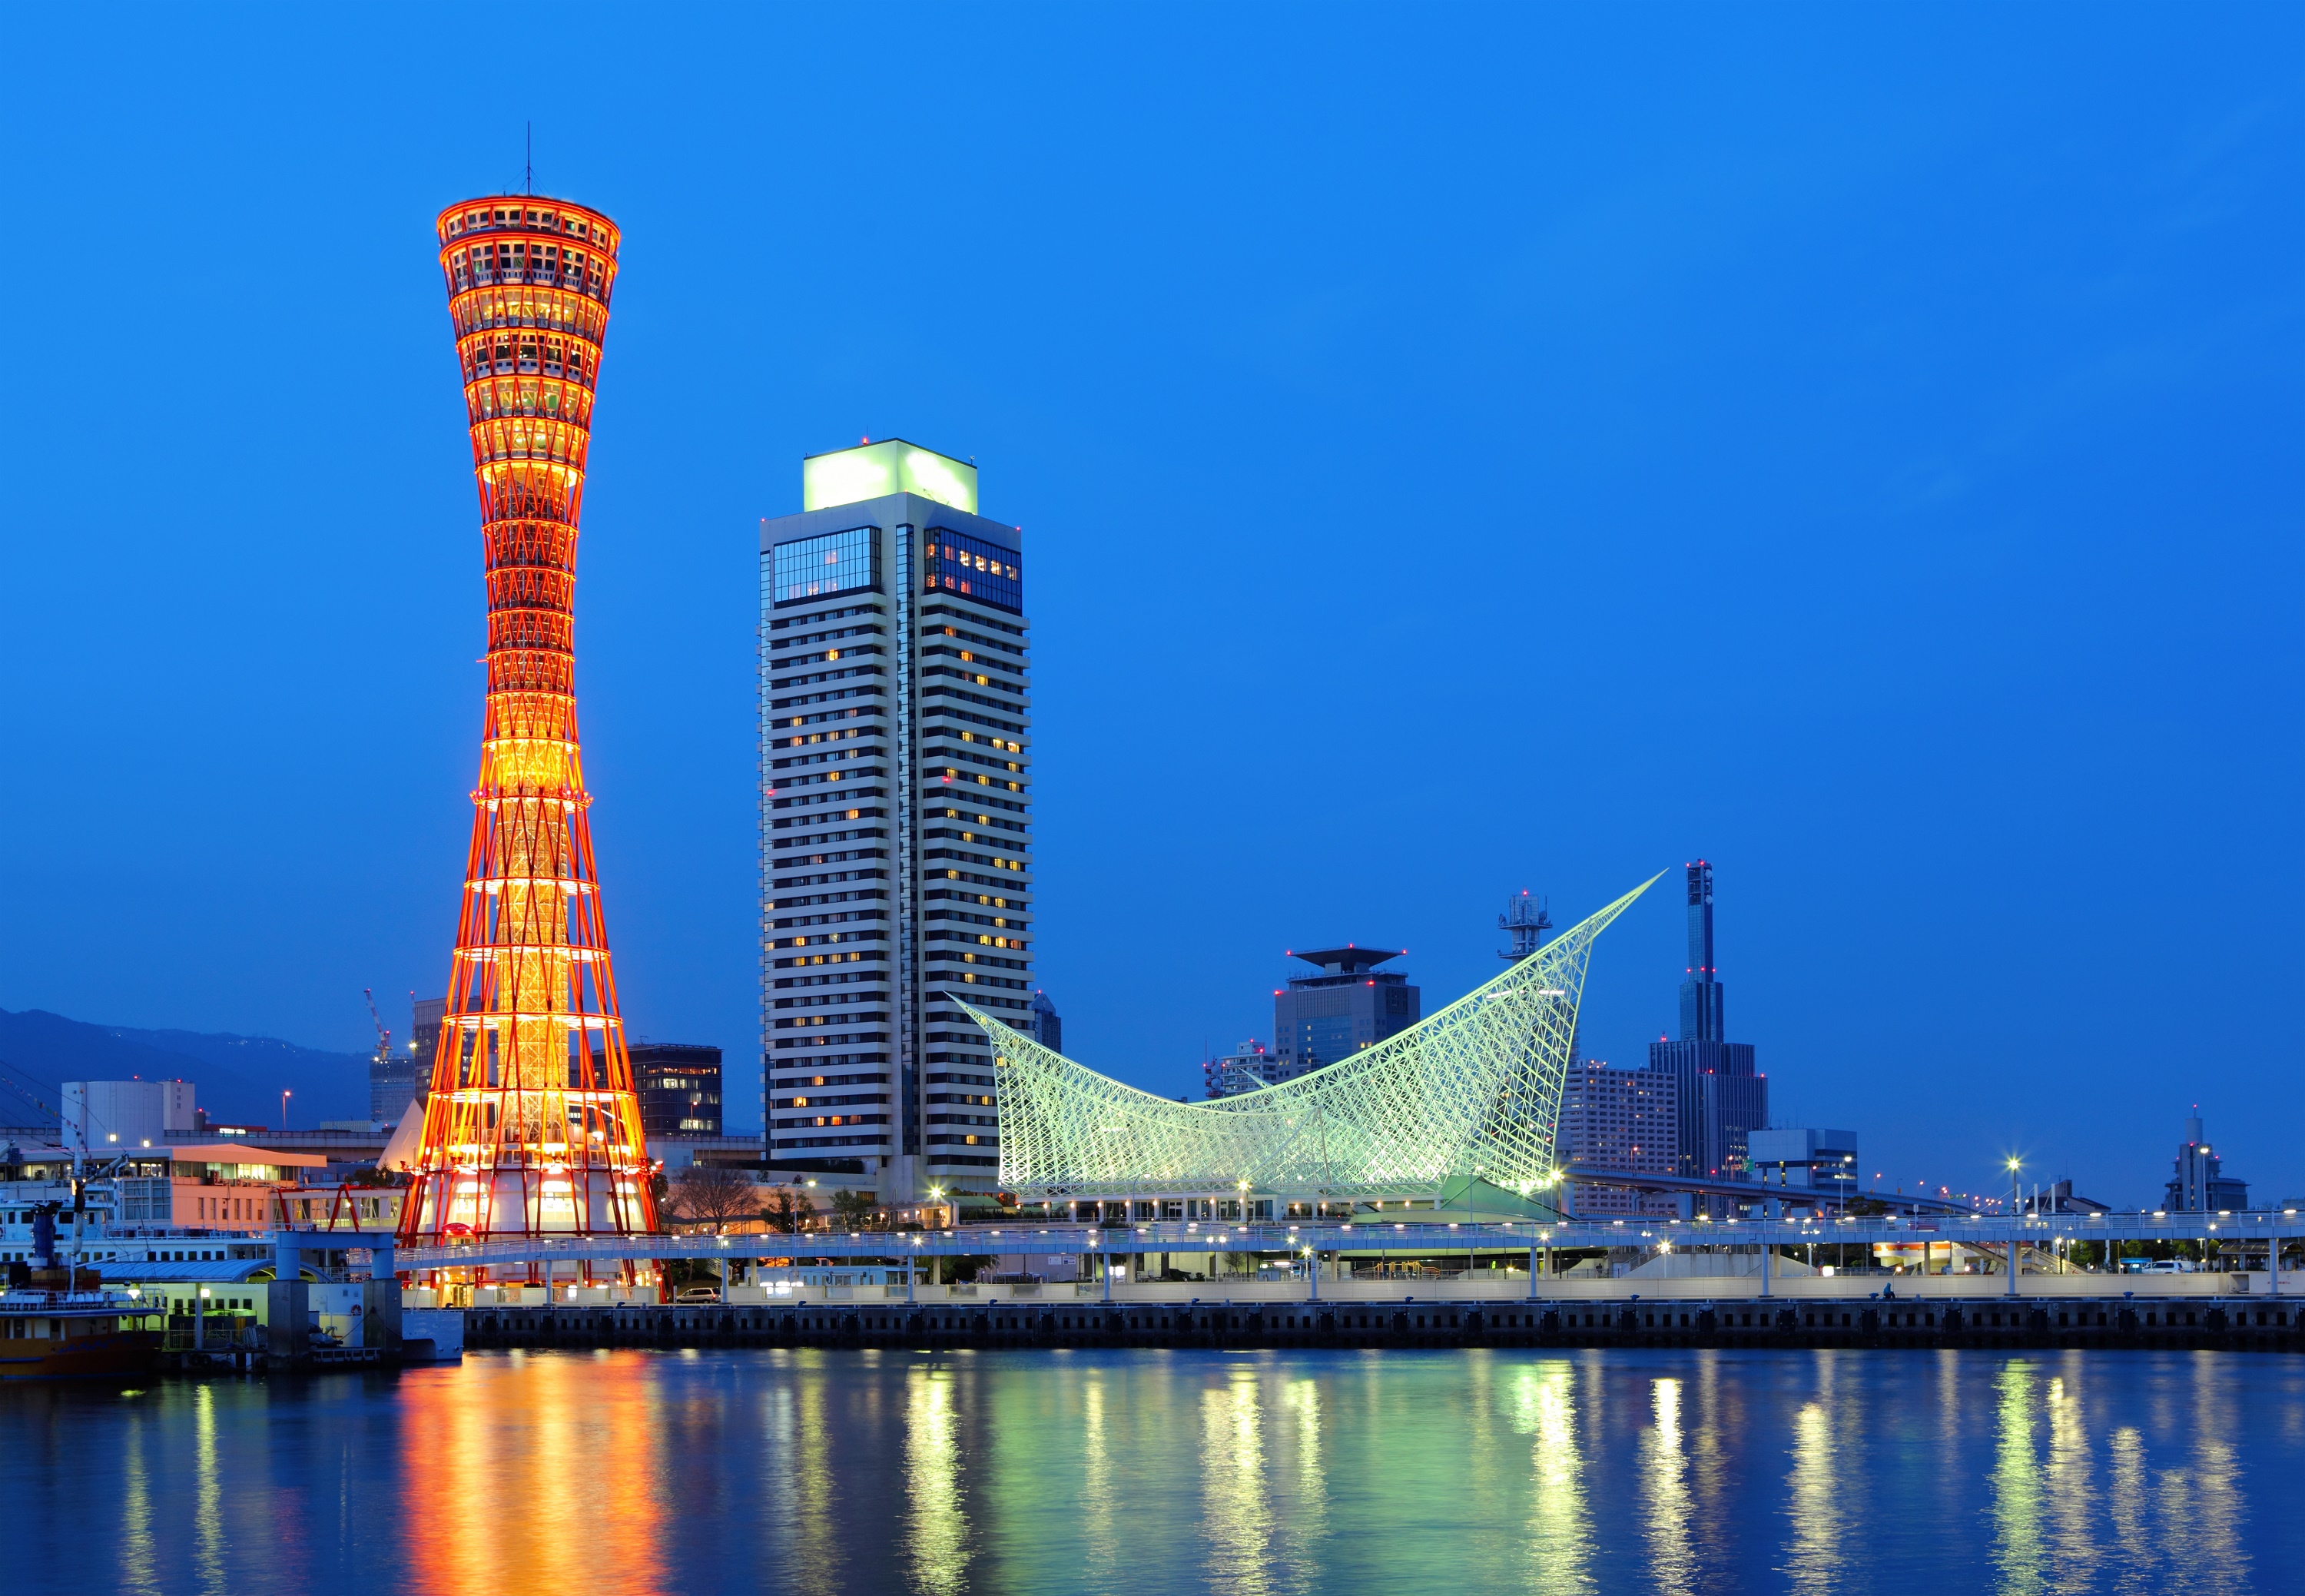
(532, 1126)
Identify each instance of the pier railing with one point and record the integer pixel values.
(1373, 1240)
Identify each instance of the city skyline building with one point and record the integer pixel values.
(1043, 1024)
(530, 1125)
(896, 820)
(1350, 1006)
(392, 1078)
(1247, 1068)
(1623, 1120)
(109, 1115)
(1799, 1159)
(2198, 1183)
(1721, 1098)
(403, 1078)
(680, 1088)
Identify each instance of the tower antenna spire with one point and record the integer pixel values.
(528, 168)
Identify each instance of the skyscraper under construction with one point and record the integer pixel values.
(896, 821)
(531, 1126)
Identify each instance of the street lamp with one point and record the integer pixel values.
(2016, 1200)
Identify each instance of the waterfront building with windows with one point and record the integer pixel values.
(680, 1086)
(1621, 1119)
(896, 820)
(1350, 1006)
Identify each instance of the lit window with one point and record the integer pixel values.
(837, 562)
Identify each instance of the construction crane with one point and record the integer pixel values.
(383, 1034)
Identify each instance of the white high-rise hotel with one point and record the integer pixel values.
(896, 819)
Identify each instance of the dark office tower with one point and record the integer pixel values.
(679, 1085)
(1720, 1097)
(896, 820)
(1351, 1005)
(1043, 1024)
(1700, 995)
(2201, 1185)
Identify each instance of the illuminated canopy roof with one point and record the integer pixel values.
(1475, 1090)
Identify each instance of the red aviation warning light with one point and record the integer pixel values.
(532, 1126)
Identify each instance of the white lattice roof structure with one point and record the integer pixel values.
(1474, 1090)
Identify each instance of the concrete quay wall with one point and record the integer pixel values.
(2181, 1320)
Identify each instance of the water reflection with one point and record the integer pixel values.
(2068, 1480)
(1100, 1498)
(1664, 1480)
(1817, 1504)
(2017, 1551)
(138, 1550)
(207, 1500)
(525, 1463)
(817, 1547)
(1237, 1511)
(1559, 1537)
(1305, 1528)
(2220, 1558)
(2132, 1532)
(1140, 1475)
(936, 1526)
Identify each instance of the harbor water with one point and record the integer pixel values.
(1665, 1471)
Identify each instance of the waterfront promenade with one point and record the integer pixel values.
(2043, 1247)
(1404, 1284)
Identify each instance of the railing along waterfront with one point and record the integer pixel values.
(1373, 1237)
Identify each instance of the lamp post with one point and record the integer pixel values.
(2016, 1198)
(1241, 1186)
(936, 1197)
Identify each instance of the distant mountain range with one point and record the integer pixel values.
(238, 1080)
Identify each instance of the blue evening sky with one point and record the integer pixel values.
(1458, 451)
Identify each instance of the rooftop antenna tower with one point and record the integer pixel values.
(1525, 921)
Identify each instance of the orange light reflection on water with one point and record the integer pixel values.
(528, 1470)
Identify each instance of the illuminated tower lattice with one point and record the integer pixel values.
(532, 1125)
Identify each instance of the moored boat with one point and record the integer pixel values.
(87, 1334)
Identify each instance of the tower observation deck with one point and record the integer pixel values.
(531, 1126)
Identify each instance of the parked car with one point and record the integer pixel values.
(698, 1293)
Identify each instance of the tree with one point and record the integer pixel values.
(852, 1208)
(789, 1211)
(711, 1194)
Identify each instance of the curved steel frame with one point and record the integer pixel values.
(531, 1126)
(1474, 1090)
